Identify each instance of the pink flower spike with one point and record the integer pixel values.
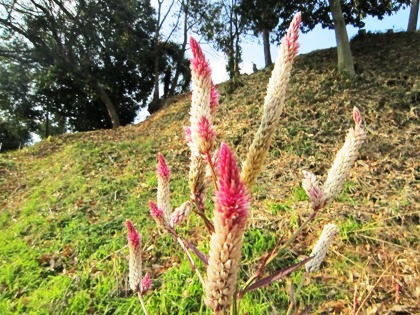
(180, 214)
(155, 211)
(134, 238)
(313, 190)
(135, 262)
(291, 38)
(199, 64)
(357, 117)
(196, 49)
(345, 159)
(232, 197)
(163, 189)
(162, 168)
(230, 216)
(207, 135)
(146, 284)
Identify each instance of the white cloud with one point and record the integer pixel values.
(246, 67)
(218, 72)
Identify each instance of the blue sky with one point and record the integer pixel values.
(317, 39)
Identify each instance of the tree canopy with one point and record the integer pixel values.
(92, 57)
(90, 64)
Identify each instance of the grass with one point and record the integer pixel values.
(64, 201)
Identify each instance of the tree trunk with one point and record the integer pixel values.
(412, 20)
(266, 43)
(181, 53)
(47, 124)
(237, 47)
(231, 53)
(345, 58)
(155, 103)
(237, 67)
(112, 111)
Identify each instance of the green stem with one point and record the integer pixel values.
(193, 266)
(213, 172)
(234, 307)
(293, 237)
(143, 306)
(186, 251)
(296, 294)
(200, 212)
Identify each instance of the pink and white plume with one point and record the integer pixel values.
(203, 104)
(157, 214)
(345, 158)
(163, 191)
(273, 104)
(200, 135)
(232, 200)
(230, 217)
(312, 188)
(135, 261)
(146, 284)
(321, 247)
(180, 214)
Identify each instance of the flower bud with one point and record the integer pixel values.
(321, 247)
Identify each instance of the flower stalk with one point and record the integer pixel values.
(140, 285)
(135, 261)
(163, 191)
(273, 104)
(230, 217)
(345, 158)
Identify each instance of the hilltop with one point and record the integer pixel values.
(64, 201)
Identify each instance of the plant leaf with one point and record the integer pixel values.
(198, 253)
(274, 277)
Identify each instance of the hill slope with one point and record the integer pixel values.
(63, 202)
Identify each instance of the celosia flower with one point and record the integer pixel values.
(345, 158)
(321, 247)
(157, 213)
(200, 135)
(273, 104)
(135, 263)
(180, 214)
(232, 199)
(203, 104)
(146, 284)
(200, 67)
(163, 168)
(163, 192)
(230, 216)
(313, 190)
(206, 133)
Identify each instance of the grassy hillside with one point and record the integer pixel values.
(64, 201)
